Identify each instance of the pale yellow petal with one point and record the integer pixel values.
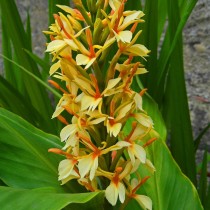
(122, 144)
(144, 201)
(144, 119)
(67, 131)
(131, 154)
(84, 85)
(134, 182)
(132, 16)
(138, 133)
(73, 175)
(138, 101)
(141, 71)
(55, 45)
(65, 168)
(93, 168)
(138, 50)
(123, 111)
(85, 165)
(125, 36)
(114, 4)
(66, 9)
(111, 194)
(54, 67)
(72, 44)
(97, 121)
(121, 190)
(57, 112)
(91, 61)
(86, 101)
(111, 84)
(114, 129)
(140, 153)
(117, 146)
(150, 166)
(82, 59)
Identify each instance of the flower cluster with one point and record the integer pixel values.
(94, 51)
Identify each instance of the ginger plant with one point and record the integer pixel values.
(100, 100)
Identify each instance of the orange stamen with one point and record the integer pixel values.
(95, 82)
(140, 184)
(149, 142)
(118, 170)
(79, 15)
(114, 153)
(60, 152)
(142, 92)
(62, 119)
(52, 38)
(90, 42)
(120, 13)
(57, 86)
(112, 106)
(88, 186)
(68, 109)
(129, 59)
(131, 75)
(60, 23)
(134, 27)
(134, 125)
(85, 139)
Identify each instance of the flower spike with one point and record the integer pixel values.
(106, 131)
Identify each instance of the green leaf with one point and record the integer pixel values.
(173, 190)
(202, 190)
(198, 139)
(53, 9)
(168, 187)
(14, 101)
(34, 77)
(28, 32)
(207, 202)
(45, 199)
(42, 63)
(150, 40)
(175, 105)
(29, 87)
(167, 49)
(24, 158)
(151, 107)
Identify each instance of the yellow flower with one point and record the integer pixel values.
(91, 97)
(89, 163)
(144, 201)
(66, 170)
(88, 56)
(114, 121)
(135, 150)
(116, 188)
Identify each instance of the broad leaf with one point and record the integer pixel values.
(168, 187)
(175, 105)
(24, 158)
(46, 199)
